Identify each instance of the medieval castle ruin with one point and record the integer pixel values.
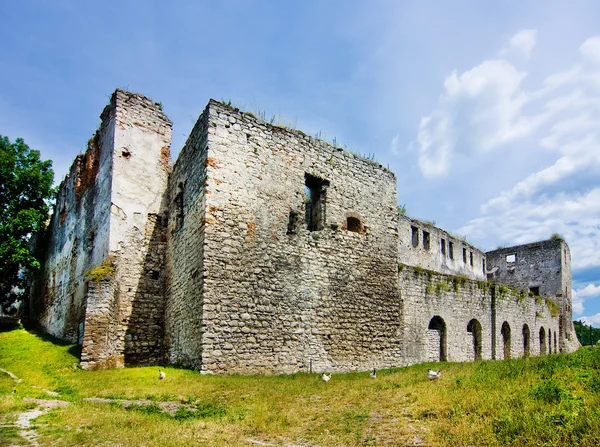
(265, 250)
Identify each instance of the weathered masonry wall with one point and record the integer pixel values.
(132, 316)
(268, 251)
(185, 271)
(299, 253)
(77, 239)
(541, 268)
(421, 244)
(455, 319)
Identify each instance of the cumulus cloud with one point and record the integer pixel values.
(593, 320)
(583, 294)
(563, 196)
(479, 110)
(521, 43)
(484, 108)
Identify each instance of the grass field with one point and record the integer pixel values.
(545, 401)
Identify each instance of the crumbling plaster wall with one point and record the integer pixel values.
(457, 301)
(77, 239)
(277, 297)
(132, 317)
(420, 244)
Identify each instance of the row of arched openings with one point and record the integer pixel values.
(437, 340)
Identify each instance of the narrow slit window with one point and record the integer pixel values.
(450, 249)
(414, 235)
(464, 255)
(292, 222)
(471, 258)
(426, 240)
(443, 246)
(179, 207)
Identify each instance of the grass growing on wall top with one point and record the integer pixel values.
(550, 401)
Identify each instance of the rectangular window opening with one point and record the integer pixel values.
(450, 249)
(471, 258)
(426, 240)
(443, 246)
(315, 199)
(483, 265)
(464, 255)
(414, 236)
(511, 259)
(535, 291)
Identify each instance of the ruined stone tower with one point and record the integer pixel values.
(108, 217)
(265, 250)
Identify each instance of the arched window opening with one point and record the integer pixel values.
(474, 328)
(543, 347)
(436, 340)
(505, 331)
(526, 341)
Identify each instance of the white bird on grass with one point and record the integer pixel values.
(434, 374)
(325, 377)
(161, 375)
(373, 375)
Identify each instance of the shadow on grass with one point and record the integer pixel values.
(8, 325)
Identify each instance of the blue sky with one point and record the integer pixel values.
(488, 112)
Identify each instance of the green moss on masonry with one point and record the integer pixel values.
(552, 307)
(102, 271)
(459, 281)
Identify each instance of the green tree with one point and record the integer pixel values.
(25, 193)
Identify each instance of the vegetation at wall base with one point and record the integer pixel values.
(552, 400)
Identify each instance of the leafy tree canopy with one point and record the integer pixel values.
(25, 192)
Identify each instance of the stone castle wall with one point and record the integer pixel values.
(265, 250)
(430, 298)
(542, 268)
(184, 271)
(77, 239)
(278, 297)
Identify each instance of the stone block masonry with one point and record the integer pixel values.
(264, 250)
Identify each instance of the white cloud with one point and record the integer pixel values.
(521, 43)
(583, 294)
(591, 320)
(479, 110)
(564, 196)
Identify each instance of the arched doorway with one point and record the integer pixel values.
(526, 342)
(543, 347)
(436, 340)
(505, 331)
(474, 328)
